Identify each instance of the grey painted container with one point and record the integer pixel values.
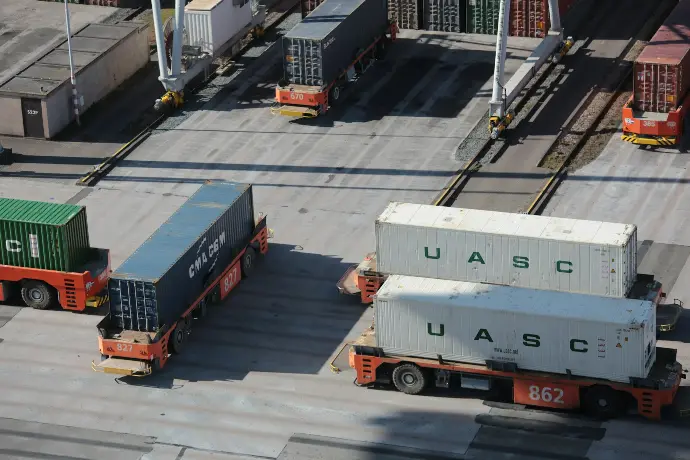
(325, 43)
(171, 269)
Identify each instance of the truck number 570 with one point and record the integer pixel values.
(298, 96)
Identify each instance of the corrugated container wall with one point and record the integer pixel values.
(406, 13)
(595, 337)
(528, 18)
(211, 23)
(317, 49)
(171, 269)
(662, 70)
(537, 252)
(48, 236)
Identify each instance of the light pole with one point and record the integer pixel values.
(75, 96)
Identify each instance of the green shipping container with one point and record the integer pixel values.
(482, 16)
(48, 236)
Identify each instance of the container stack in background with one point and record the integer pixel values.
(111, 3)
(547, 294)
(528, 18)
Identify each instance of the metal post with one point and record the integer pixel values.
(177, 38)
(554, 16)
(75, 95)
(496, 104)
(160, 44)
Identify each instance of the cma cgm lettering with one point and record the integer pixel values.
(528, 340)
(203, 257)
(560, 266)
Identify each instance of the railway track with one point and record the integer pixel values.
(583, 123)
(275, 15)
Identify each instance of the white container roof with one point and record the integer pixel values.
(508, 224)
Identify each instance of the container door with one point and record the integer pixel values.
(482, 16)
(405, 13)
(529, 18)
(444, 15)
(32, 114)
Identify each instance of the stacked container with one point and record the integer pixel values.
(662, 70)
(528, 18)
(546, 293)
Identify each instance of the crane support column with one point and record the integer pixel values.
(176, 61)
(160, 45)
(497, 106)
(555, 16)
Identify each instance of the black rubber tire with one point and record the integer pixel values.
(409, 379)
(335, 94)
(247, 264)
(602, 402)
(38, 295)
(178, 337)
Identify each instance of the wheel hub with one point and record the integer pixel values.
(36, 294)
(409, 379)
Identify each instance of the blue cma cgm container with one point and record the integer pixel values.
(171, 269)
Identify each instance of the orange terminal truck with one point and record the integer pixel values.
(46, 257)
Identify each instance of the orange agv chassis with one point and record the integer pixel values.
(138, 354)
(311, 101)
(75, 290)
(600, 398)
(662, 129)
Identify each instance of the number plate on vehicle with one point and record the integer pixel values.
(543, 394)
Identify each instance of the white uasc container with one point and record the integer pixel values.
(591, 336)
(538, 252)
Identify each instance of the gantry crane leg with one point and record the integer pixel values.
(503, 94)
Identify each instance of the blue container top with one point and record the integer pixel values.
(324, 19)
(181, 231)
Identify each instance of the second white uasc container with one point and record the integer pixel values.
(538, 252)
(557, 332)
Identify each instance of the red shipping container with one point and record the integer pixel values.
(662, 70)
(530, 18)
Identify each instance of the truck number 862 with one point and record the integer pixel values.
(546, 394)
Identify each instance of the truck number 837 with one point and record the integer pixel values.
(546, 394)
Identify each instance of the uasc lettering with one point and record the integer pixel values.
(203, 258)
(560, 266)
(528, 340)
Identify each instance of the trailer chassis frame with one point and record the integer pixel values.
(552, 391)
